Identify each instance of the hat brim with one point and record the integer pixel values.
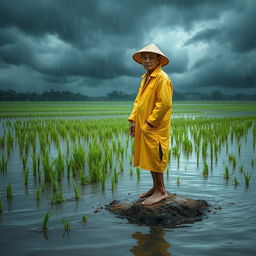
(137, 57)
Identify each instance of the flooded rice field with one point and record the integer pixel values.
(69, 169)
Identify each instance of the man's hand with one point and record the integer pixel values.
(132, 129)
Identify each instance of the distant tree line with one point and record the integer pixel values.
(11, 95)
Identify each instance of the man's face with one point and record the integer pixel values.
(150, 60)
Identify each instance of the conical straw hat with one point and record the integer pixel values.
(151, 48)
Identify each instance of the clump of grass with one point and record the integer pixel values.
(66, 225)
(77, 192)
(226, 174)
(247, 178)
(83, 178)
(241, 168)
(45, 222)
(113, 183)
(236, 182)
(168, 172)
(9, 191)
(131, 171)
(252, 163)
(57, 198)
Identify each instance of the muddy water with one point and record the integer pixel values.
(229, 231)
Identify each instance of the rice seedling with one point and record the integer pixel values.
(138, 172)
(83, 178)
(226, 173)
(113, 183)
(45, 222)
(24, 159)
(77, 192)
(59, 165)
(236, 182)
(78, 156)
(239, 148)
(1, 206)
(3, 164)
(247, 178)
(168, 172)
(38, 194)
(205, 169)
(252, 163)
(241, 169)
(57, 198)
(47, 167)
(26, 176)
(34, 164)
(9, 191)
(66, 225)
(131, 171)
(103, 177)
(178, 180)
(232, 158)
(84, 219)
(54, 181)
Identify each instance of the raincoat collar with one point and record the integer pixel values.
(154, 73)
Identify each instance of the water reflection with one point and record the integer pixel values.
(151, 244)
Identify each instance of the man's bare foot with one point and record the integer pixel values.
(148, 193)
(155, 198)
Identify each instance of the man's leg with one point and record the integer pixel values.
(152, 190)
(160, 191)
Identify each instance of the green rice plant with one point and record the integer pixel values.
(168, 172)
(57, 198)
(178, 180)
(131, 159)
(239, 148)
(3, 164)
(236, 182)
(45, 222)
(77, 192)
(115, 175)
(121, 166)
(38, 163)
(131, 171)
(26, 176)
(54, 181)
(34, 163)
(247, 178)
(24, 159)
(226, 174)
(103, 177)
(9, 191)
(138, 172)
(38, 194)
(59, 165)
(205, 169)
(66, 225)
(241, 169)
(232, 158)
(1, 206)
(78, 155)
(252, 163)
(47, 167)
(113, 183)
(84, 219)
(83, 178)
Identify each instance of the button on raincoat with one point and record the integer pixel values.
(153, 104)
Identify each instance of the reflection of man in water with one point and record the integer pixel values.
(151, 244)
(150, 120)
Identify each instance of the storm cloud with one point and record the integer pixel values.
(86, 46)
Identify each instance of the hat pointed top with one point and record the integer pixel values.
(154, 49)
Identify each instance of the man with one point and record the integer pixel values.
(150, 120)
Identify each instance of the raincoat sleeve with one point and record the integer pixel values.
(163, 102)
(132, 117)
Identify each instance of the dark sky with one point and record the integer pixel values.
(86, 46)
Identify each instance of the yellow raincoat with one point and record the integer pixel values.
(153, 104)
